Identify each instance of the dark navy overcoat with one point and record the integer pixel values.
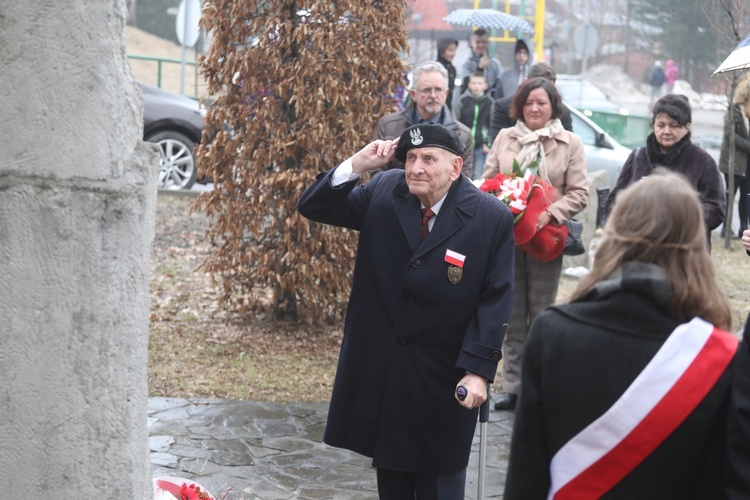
(410, 334)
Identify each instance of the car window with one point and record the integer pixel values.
(576, 90)
(583, 130)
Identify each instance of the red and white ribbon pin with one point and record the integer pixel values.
(454, 258)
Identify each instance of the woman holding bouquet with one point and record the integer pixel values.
(537, 141)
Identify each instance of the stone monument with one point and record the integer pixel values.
(77, 195)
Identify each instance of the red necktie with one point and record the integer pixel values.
(426, 214)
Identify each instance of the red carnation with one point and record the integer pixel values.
(527, 196)
(491, 185)
(192, 492)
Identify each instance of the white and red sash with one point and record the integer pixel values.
(668, 389)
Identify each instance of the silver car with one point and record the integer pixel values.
(585, 96)
(603, 152)
(175, 123)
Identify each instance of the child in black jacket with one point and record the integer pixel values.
(473, 110)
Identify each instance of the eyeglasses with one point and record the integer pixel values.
(436, 91)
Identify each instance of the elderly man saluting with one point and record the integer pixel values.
(432, 286)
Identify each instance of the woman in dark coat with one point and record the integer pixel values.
(625, 390)
(446, 48)
(739, 128)
(669, 146)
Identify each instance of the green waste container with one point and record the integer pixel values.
(628, 130)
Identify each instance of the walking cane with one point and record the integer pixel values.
(484, 416)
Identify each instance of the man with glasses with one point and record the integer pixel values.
(428, 93)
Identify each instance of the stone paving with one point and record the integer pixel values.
(252, 450)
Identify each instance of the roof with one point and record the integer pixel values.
(428, 15)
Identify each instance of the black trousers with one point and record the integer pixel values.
(399, 485)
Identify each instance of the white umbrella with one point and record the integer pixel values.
(488, 18)
(738, 59)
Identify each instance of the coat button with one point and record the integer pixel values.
(417, 264)
(411, 301)
(495, 356)
(402, 341)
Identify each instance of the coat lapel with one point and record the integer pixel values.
(461, 203)
(407, 210)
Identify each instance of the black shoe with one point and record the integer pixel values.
(506, 401)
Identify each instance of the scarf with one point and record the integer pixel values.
(532, 144)
(647, 279)
(669, 158)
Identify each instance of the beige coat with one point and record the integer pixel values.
(566, 167)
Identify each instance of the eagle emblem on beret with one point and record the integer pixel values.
(416, 137)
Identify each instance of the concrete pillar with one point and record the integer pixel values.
(77, 195)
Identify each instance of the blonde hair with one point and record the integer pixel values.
(659, 220)
(742, 92)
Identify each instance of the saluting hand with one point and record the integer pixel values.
(375, 155)
(476, 388)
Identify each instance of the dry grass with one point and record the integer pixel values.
(198, 350)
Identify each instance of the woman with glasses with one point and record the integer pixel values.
(669, 146)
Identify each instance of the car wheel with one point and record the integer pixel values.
(177, 166)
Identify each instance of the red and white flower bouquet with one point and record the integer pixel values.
(177, 488)
(527, 196)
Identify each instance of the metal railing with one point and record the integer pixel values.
(161, 61)
(629, 130)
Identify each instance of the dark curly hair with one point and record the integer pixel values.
(675, 106)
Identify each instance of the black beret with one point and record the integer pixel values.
(427, 135)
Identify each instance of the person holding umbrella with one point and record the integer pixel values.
(482, 20)
(480, 60)
(738, 127)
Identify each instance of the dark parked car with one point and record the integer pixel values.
(175, 123)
